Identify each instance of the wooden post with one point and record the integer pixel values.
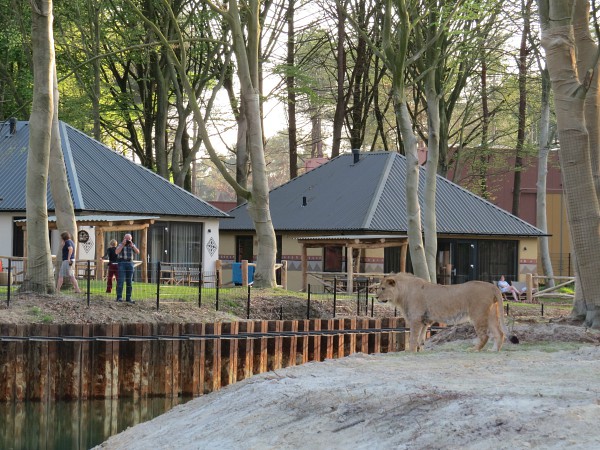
(403, 252)
(349, 269)
(529, 279)
(304, 263)
(219, 270)
(284, 273)
(99, 253)
(244, 272)
(144, 253)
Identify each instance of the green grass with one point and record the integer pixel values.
(36, 311)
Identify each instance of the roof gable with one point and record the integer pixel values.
(369, 196)
(100, 179)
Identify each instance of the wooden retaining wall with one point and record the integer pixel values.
(41, 362)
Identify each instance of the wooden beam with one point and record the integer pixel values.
(304, 264)
(349, 269)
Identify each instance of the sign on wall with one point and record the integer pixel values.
(86, 244)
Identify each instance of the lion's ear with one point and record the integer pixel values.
(391, 282)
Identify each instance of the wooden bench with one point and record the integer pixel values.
(519, 286)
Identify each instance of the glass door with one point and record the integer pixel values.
(464, 262)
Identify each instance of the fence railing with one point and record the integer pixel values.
(189, 283)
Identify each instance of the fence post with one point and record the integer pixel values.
(372, 306)
(89, 271)
(542, 309)
(244, 272)
(248, 304)
(308, 303)
(217, 291)
(284, 272)
(157, 285)
(8, 283)
(529, 280)
(358, 302)
(334, 295)
(200, 285)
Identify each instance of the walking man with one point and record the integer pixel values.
(125, 251)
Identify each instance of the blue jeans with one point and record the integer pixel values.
(125, 276)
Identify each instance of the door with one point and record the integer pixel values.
(157, 248)
(465, 263)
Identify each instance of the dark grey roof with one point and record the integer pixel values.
(100, 179)
(369, 196)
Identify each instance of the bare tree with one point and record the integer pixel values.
(246, 49)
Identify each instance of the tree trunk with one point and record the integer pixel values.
(413, 210)
(291, 93)
(59, 185)
(583, 209)
(545, 140)
(522, 65)
(162, 122)
(39, 263)
(433, 146)
(340, 104)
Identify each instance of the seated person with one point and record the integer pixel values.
(506, 287)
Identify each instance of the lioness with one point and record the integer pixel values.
(422, 303)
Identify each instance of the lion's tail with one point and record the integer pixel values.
(499, 304)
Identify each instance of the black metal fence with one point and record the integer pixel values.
(167, 283)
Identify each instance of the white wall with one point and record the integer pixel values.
(210, 248)
(6, 231)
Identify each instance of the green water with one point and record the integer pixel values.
(73, 425)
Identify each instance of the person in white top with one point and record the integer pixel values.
(506, 287)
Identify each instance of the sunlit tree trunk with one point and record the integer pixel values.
(541, 211)
(39, 263)
(57, 174)
(433, 153)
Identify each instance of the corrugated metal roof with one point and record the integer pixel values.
(100, 218)
(100, 179)
(369, 196)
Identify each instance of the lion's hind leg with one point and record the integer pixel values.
(495, 321)
(416, 327)
(481, 329)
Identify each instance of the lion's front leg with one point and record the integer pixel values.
(416, 327)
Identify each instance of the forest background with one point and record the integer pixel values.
(324, 91)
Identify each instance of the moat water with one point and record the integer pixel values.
(74, 425)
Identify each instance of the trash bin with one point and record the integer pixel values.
(236, 274)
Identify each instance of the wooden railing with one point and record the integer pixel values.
(534, 280)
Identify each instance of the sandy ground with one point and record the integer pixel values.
(543, 393)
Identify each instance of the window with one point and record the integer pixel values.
(391, 259)
(186, 242)
(498, 258)
(332, 259)
(244, 248)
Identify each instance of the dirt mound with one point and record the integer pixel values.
(528, 332)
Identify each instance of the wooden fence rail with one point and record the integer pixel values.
(41, 362)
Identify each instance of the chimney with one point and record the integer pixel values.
(304, 201)
(12, 122)
(356, 154)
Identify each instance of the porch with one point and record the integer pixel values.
(346, 281)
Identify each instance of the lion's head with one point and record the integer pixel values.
(386, 291)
